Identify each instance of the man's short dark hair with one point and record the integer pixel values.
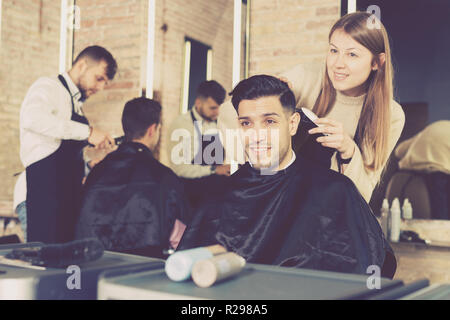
(263, 86)
(211, 89)
(138, 115)
(99, 54)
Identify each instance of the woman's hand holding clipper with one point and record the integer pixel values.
(336, 137)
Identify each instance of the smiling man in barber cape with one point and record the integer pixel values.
(53, 132)
(280, 207)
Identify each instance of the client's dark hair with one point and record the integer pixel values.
(263, 86)
(99, 54)
(139, 114)
(211, 89)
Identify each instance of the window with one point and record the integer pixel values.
(197, 68)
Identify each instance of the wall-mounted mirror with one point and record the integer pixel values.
(197, 68)
(147, 38)
(196, 41)
(37, 38)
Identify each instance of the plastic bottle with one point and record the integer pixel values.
(207, 272)
(407, 210)
(179, 265)
(395, 220)
(384, 220)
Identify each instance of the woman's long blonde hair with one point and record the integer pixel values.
(374, 121)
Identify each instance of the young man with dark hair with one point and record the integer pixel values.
(210, 95)
(53, 132)
(94, 55)
(282, 209)
(132, 203)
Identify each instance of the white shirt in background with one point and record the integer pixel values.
(184, 121)
(45, 118)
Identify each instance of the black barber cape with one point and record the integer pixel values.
(131, 201)
(305, 216)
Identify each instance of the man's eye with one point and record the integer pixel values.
(270, 121)
(353, 54)
(245, 123)
(333, 50)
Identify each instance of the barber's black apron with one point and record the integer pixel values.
(204, 141)
(200, 189)
(54, 186)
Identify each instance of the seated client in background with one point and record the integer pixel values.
(132, 203)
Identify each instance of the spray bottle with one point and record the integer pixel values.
(395, 220)
(407, 210)
(385, 218)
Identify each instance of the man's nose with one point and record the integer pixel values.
(261, 135)
(254, 136)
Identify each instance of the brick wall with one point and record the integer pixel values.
(121, 27)
(29, 49)
(284, 33)
(210, 22)
(117, 26)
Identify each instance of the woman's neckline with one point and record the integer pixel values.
(342, 98)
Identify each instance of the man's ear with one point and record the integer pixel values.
(151, 131)
(198, 102)
(82, 66)
(294, 121)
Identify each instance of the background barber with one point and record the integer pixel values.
(53, 132)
